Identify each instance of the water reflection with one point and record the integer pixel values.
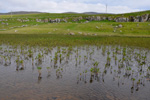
(124, 66)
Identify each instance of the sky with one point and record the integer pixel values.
(60, 6)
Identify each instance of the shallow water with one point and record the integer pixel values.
(74, 73)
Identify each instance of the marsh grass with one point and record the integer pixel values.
(54, 40)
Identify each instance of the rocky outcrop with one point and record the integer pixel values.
(4, 23)
(23, 20)
(97, 18)
(144, 18)
(76, 19)
(121, 18)
(57, 20)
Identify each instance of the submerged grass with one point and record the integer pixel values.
(68, 40)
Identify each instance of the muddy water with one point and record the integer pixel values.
(74, 73)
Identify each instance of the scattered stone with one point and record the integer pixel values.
(88, 33)
(85, 34)
(97, 27)
(71, 33)
(86, 22)
(120, 26)
(24, 25)
(95, 34)
(55, 29)
(80, 32)
(3, 23)
(3, 29)
(16, 31)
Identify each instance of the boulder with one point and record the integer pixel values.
(137, 19)
(121, 19)
(2, 23)
(145, 17)
(71, 33)
(63, 20)
(98, 18)
(86, 22)
(57, 20)
(104, 18)
(90, 18)
(131, 19)
(38, 20)
(120, 26)
(110, 18)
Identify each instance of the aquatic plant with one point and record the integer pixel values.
(22, 63)
(39, 71)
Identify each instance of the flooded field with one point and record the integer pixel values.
(74, 73)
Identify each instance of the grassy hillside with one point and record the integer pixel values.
(13, 26)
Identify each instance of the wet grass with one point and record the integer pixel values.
(69, 40)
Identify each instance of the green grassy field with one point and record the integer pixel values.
(91, 28)
(92, 33)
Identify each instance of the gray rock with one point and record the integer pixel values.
(2, 23)
(110, 18)
(131, 18)
(57, 20)
(46, 20)
(137, 19)
(71, 33)
(86, 22)
(121, 19)
(38, 20)
(120, 26)
(104, 18)
(145, 17)
(98, 18)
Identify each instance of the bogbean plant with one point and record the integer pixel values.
(118, 61)
(39, 71)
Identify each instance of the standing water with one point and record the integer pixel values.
(74, 73)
